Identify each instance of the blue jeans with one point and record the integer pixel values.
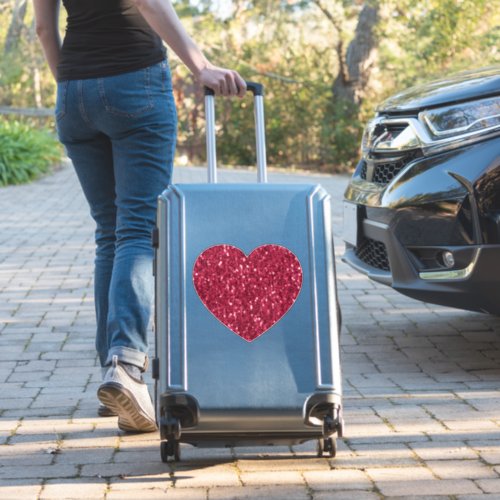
(120, 133)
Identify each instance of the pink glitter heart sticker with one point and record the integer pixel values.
(247, 294)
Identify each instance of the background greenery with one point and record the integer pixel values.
(306, 52)
(25, 152)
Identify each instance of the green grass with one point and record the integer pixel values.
(25, 152)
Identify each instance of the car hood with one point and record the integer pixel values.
(459, 87)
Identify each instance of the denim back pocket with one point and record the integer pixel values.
(127, 95)
(61, 99)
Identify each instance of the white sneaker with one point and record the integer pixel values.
(128, 398)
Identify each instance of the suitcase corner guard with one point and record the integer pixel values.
(324, 408)
(177, 411)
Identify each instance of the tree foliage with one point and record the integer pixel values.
(302, 50)
(432, 38)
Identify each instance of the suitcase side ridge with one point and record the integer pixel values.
(171, 317)
(318, 207)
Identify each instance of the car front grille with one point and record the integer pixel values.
(364, 169)
(373, 253)
(383, 173)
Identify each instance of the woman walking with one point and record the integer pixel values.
(116, 116)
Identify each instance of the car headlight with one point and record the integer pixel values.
(434, 130)
(463, 119)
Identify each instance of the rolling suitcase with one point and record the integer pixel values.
(246, 319)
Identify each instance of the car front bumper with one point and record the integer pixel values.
(475, 287)
(398, 233)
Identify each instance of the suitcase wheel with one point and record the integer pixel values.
(170, 449)
(327, 446)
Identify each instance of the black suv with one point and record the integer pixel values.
(422, 210)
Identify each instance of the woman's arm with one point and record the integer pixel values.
(162, 17)
(47, 29)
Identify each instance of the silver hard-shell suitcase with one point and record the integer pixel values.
(246, 317)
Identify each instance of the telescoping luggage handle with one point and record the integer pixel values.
(260, 133)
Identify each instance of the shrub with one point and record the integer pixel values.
(25, 152)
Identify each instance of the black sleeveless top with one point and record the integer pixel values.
(104, 38)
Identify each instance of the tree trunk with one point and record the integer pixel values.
(16, 26)
(35, 66)
(351, 83)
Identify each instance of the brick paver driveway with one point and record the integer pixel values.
(422, 405)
